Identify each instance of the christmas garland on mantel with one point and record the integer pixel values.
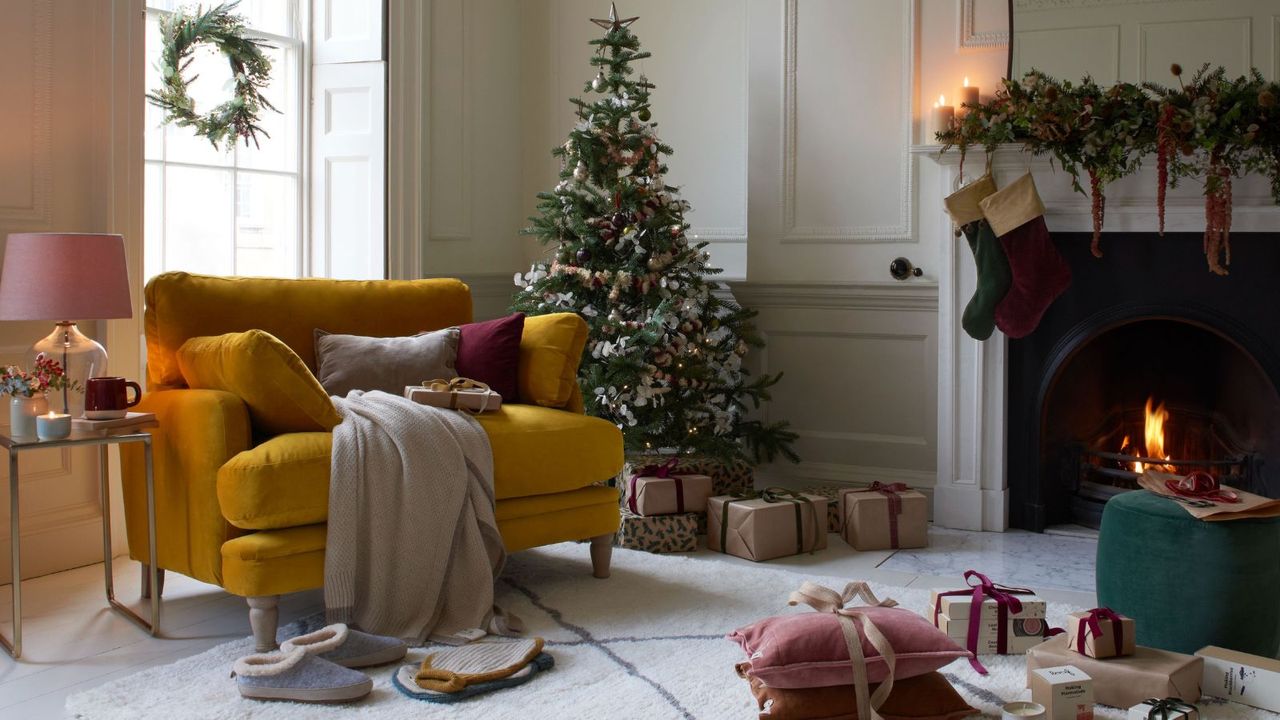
(1211, 128)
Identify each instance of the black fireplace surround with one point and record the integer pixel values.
(1147, 319)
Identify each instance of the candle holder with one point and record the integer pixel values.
(53, 425)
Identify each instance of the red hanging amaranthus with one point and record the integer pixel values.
(1099, 211)
(1217, 217)
(1166, 146)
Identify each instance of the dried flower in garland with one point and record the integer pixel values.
(1212, 128)
(181, 33)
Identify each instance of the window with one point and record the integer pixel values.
(237, 212)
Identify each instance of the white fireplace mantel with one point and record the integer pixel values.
(972, 487)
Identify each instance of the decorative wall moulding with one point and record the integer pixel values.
(915, 296)
(39, 211)
(970, 37)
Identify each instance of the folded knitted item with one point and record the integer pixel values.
(923, 697)
(405, 683)
(453, 668)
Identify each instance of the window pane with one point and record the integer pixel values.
(266, 225)
(278, 149)
(153, 221)
(273, 16)
(154, 116)
(198, 220)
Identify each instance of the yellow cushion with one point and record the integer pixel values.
(281, 483)
(539, 450)
(180, 306)
(282, 394)
(550, 350)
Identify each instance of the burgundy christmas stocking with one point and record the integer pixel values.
(1040, 274)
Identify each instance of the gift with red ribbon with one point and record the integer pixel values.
(884, 516)
(773, 523)
(992, 618)
(659, 489)
(1100, 633)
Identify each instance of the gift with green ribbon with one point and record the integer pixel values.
(772, 523)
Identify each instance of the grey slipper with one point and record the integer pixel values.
(340, 644)
(298, 676)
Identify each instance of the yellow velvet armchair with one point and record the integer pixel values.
(244, 509)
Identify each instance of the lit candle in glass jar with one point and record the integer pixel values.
(53, 426)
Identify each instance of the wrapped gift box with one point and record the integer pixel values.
(758, 529)
(1118, 628)
(676, 493)
(1240, 677)
(728, 477)
(957, 607)
(1021, 634)
(474, 400)
(1170, 709)
(874, 520)
(832, 493)
(1065, 692)
(1126, 681)
(658, 533)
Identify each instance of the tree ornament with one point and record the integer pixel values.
(598, 84)
(584, 255)
(568, 147)
(619, 220)
(644, 114)
(180, 34)
(580, 172)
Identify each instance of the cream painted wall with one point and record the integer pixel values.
(70, 159)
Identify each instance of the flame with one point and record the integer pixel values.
(1153, 434)
(942, 100)
(966, 81)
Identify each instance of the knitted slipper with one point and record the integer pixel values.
(297, 676)
(451, 669)
(340, 644)
(405, 682)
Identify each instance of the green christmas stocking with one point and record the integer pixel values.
(994, 277)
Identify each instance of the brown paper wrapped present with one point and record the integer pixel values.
(456, 394)
(658, 533)
(778, 523)
(835, 521)
(1126, 681)
(1100, 633)
(662, 490)
(884, 517)
(728, 477)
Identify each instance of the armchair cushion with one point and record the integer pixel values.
(356, 362)
(281, 393)
(282, 483)
(539, 450)
(550, 350)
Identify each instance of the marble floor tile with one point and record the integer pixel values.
(1015, 557)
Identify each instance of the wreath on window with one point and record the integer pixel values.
(181, 33)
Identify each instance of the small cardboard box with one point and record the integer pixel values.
(1021, 635)
(1142, 711)
(957, 607)
(870, 523)
(1240, 677)
(1065, 692)
(1104, 645)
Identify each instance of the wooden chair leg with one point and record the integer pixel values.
(146, 581)
(264, 617)
(601, 553)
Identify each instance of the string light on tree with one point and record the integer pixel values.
(663, 358)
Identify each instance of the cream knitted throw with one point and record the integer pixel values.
(412, 546)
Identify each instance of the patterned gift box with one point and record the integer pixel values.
(835, 522)
(658, 533)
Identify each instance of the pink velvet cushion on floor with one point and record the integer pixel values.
(490, 352)
(807, 649)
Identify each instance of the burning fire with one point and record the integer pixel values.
(1153, 437)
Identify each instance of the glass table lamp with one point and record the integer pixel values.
(58, 276)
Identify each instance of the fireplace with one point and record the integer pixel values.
(1147, 361)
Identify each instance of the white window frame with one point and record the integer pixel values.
(301, 45)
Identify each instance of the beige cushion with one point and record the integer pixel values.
(354, 362)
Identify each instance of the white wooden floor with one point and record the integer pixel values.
(73, 641)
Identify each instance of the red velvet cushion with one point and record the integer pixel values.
(490, 352)
(807, 649)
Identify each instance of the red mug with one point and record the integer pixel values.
(107, 398)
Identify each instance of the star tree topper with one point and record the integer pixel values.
(613, 23)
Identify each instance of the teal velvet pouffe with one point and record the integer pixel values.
(1188, 583)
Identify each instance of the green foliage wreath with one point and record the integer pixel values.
(181, 33)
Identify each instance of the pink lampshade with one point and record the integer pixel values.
(64, 276)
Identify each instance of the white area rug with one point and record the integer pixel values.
(648, 643)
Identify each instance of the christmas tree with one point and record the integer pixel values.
(664, 359)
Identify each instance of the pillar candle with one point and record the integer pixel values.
(968, 98)
(942, 115)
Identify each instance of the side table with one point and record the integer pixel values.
(101, 439)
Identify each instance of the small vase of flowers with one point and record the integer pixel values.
(28, 392)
